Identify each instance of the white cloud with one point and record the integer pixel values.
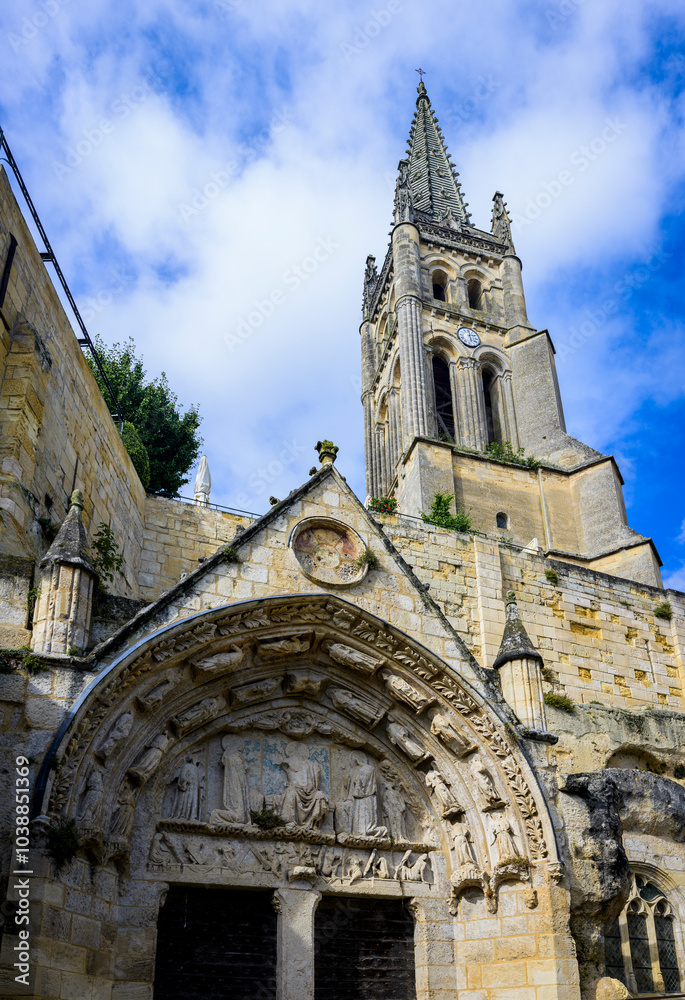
(226, 71)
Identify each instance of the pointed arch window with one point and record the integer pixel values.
(444, 408)
(639, 947)
(475, 293)
(491, 402)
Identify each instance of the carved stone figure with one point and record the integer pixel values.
(355, 868)
(402, 738)
(271, 649)
(486, 792)
(415, 872)
(395, 809)
(198, 713)
(403, 209)
(503, 837)
(154, 695)
(119, 731)
(348, 656)
(256, 691)
(359, 708)
(404, 691)
(189, 791)
(304, 682)
(91, 802)
(229, 658)
(302, 803)
(362, 792)
(462, 847)
(122, 818)
(380, 868)
(331, 864)
(448, 733)
(148, 762)
(236, 793)
(162, 851)
(449, 806)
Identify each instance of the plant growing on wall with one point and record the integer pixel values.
(62, 842)
(108, 559)
(505, 453)
(169, 436)
(664, 610)
(384, 504)
(441, 515)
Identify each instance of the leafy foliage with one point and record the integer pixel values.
(62, 842)
(441, 515)
(108, 559)
(664, 610)
(505, 453)
(561, 701)
(367, 558)
(266, 819)
(679, 772)
(552, 576)
(170, 437)
(384, 504)
(137, 451)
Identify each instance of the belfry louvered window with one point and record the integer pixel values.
(640, 946)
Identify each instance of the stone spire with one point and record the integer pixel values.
(501, 223)
(65, 603)
(515, 643)
(430, 179)
(519, 665)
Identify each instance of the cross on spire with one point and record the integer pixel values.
(421, 73)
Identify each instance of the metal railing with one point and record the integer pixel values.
(48, 255)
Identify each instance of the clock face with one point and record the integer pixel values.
(468, 337)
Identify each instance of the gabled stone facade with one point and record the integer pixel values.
(328, 753)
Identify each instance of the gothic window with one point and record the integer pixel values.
(443, 399)
(639, 947)
(491, 402)
(439, 290)
(475, 291)
(502, 520)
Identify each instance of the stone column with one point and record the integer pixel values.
(407, 268)
(508, 409)
(519, 667)
(395, 429)
(65, 603)
(369, 463)
(514, 299)
(456, 406)
(472, 408)
(295, 943)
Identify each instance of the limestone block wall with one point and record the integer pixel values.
(56, 433)
(175, 536)
(597, 633)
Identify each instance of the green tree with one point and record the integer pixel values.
(169, 437)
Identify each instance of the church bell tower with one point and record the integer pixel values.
(456, 381)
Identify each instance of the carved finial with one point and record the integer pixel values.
(510, 597)
(501, 223)
(327, 452)
(76, 499)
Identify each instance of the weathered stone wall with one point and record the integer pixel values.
(56, 432)
(175, 536)
(597, 633)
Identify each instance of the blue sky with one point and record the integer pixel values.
(187, 158)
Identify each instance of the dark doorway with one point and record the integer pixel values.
(216, 944)
(443, 399)
(364, 950)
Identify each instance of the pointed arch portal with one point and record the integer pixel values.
(301, 747)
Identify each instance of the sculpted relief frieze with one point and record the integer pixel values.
(305, 713)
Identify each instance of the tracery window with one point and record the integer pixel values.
(444, 408)
(640, 947)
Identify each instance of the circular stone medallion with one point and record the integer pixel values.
(328, 551)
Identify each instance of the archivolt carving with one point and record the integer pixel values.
(194, 658)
